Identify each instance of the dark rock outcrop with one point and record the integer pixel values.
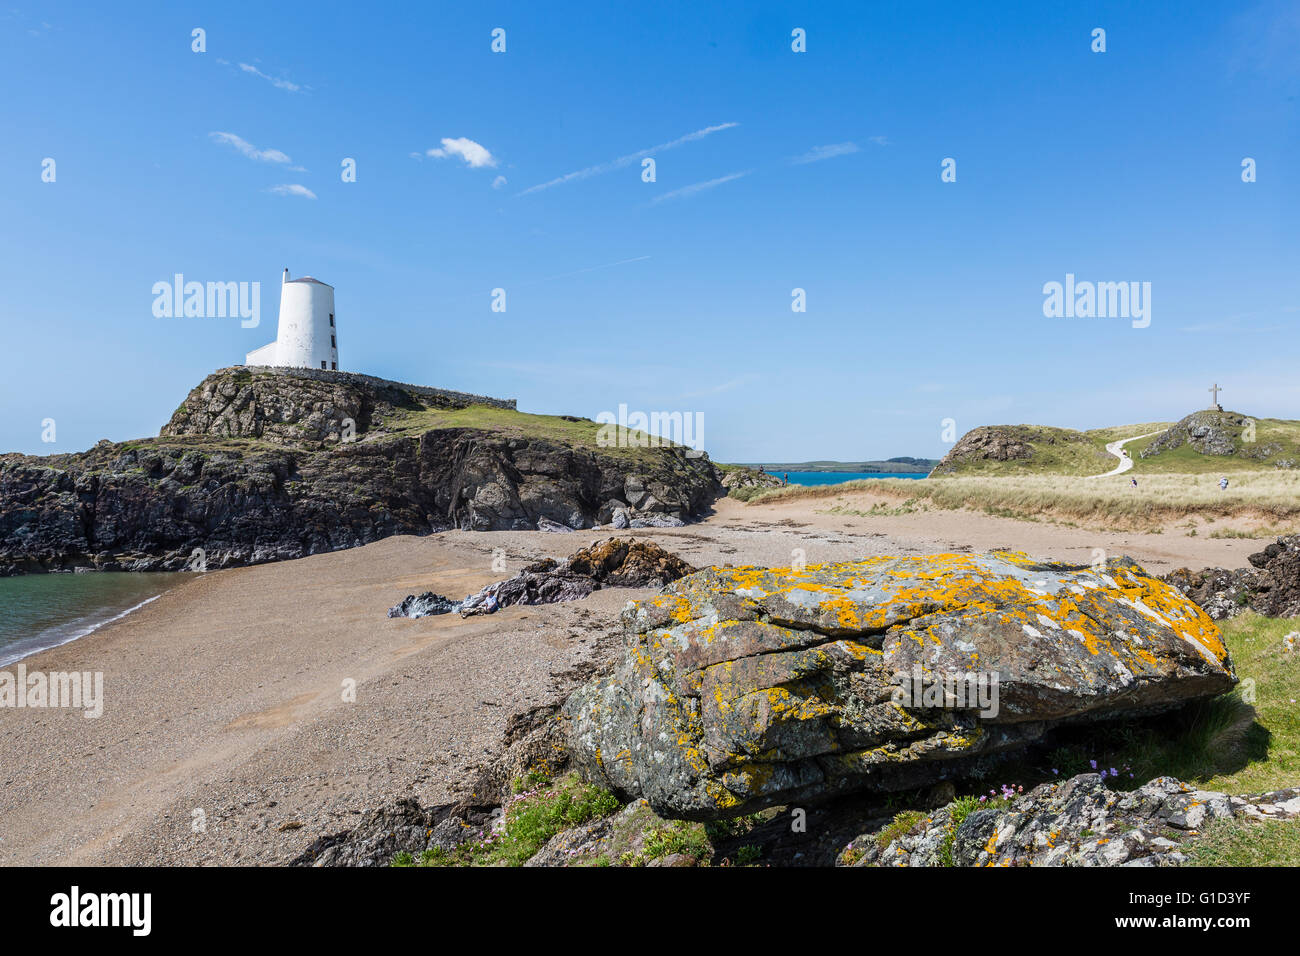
(614, 562)
(257, 466)
(1074, 822)
(423, 605)
(1271, 587)
(745, 688)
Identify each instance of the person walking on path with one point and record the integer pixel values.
(1223, 483)
(1135, 482)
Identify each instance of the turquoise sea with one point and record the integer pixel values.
(835, 477)
(44, 610)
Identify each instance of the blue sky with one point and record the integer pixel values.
(924, 298)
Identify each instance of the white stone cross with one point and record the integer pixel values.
(1215, 390)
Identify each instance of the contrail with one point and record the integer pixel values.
(626, 160)
(578, 272)
(694, 188)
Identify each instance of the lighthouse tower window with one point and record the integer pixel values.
(322, 364)
(331, 320)
(334, 366)
(333, 344)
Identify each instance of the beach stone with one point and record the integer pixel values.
(744, 688)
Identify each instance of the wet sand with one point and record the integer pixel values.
(224, 699)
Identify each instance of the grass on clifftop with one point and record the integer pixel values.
(570, 431)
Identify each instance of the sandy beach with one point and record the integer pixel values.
(224, 698)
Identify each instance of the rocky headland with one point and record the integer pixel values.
(267, 464)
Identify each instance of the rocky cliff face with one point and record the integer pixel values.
(264, 466)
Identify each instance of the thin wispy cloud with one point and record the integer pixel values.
(249, 150)
(578, 272)
(629, 159)
(717, 389)
(498, 182)
(474, 154)
(278, 83)
(878, 140)
(695, 188)
(818, 153)
(293, 189)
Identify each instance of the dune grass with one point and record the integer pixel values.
(1267, 496)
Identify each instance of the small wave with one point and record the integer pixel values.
(63, 634)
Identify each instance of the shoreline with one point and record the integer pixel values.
(7, 658)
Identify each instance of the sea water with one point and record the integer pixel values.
(38, 611)
(836, 477)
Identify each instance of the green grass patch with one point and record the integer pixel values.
(1247, 843)
(901, 824)
(530, 821)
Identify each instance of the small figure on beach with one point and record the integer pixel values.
(785, 478)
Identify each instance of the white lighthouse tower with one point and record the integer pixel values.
(306, 336)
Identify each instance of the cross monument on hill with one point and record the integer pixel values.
(1215, 390)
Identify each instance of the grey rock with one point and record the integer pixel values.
(746, 688)
(1075, 822)
(656, 521)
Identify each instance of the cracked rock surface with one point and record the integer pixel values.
(1074, 822)
(743, 688)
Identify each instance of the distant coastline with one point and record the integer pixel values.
(811, 478)
(872, 469)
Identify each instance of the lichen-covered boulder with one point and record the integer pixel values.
(749, 687)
